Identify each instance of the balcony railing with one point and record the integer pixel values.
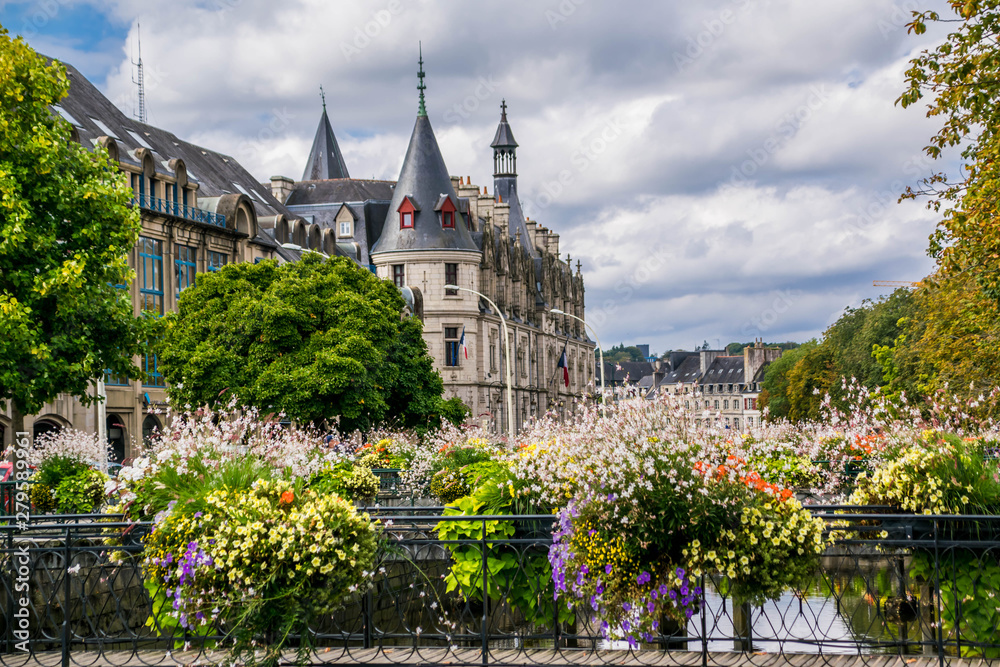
(158, 205)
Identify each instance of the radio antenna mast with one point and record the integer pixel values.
(138, 79)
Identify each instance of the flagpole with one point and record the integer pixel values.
(506, 345)
(600, 352)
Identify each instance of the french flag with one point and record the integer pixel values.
(461, 342)
(564, 364)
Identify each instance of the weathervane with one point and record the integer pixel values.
(322, 96)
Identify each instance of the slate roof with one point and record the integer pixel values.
(724, 370)
(325, 159)
(318, 192)
(93, 115)
(424, 178)
(688, 372)
(504, 138)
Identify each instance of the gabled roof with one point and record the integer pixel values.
(424, 178)
(325, 160)
(688, 372)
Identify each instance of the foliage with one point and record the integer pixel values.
(960, 77)
(268, 560)
(391, 453)
(970, 608)
(518, 574)
(66, 228)
(318, 339)
(736, 349)
(774, 394)
(42, 500)
(80, 493)
(53, 470)
(620, 353)
(350, 480)
(938, 473)
(448, 485)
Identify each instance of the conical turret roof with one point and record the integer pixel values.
(325, 160)
(424, 183)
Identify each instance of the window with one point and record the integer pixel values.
(493, 355)
(399, 275)
(716, 406)
(707, 405)
(710, 388)
(736, 422)
(447, 209)
(725, 404)
(451, 346)
(151, 365)
(447, 218)
(345, 228)
(217, 260)
(687, 404)
(451, 278)
(406, 211)
(749, 421)
(186, 267)
(112, 380)
(151, 278)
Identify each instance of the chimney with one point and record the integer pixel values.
(552, 244)
(281, 188)
(707, 357)
(756, 357)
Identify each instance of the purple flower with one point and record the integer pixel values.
(584, 569)
(643, 578)
(631, 641)
(651, 607)
(673, 595)
(655, 594)
(626, 607)
(197, 515)
(607, 569)
(626, 626)
(680, 573)
(684, 589)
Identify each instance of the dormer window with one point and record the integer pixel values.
(446, 209)
(345, 228)
(406, 213)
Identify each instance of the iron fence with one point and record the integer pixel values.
(925, 589)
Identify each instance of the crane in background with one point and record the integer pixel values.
(894, 283)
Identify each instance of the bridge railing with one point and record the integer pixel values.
(72, 590)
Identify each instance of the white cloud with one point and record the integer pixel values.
(693, 94)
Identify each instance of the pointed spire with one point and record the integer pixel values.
(325, 159)
(421, 86)
(504, 138)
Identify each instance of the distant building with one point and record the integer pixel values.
(719, 389)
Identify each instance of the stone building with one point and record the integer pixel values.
(718, 388)
(202, 210)
(429, 229)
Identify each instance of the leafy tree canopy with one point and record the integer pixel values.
(318, 339)
(65, 230)
(962, 78)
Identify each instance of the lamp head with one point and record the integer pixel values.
(556, 311)
(452, 287)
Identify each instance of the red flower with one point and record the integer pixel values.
(287, 497)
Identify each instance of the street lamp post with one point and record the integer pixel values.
(506, 345)
(600, 352)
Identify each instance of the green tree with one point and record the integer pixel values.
(315, 339)
(65, 230)
(962, 77)
(774, 390)
(809, 381)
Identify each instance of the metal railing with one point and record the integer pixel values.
(926, 593)
(159, 205)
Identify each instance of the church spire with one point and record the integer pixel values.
(325, 159)
(504, 147)
(421, 86)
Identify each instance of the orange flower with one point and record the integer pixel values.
(287, 497)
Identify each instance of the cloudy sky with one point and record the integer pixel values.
(724, 170)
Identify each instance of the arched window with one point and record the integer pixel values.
(116, 437)
(150, 429)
